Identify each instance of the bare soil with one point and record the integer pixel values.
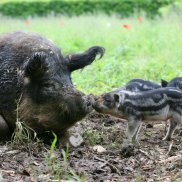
(154, 160)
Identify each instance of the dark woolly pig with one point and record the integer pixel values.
(35, 78)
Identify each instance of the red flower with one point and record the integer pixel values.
(139, 19)
(62, 23)
(27, 22)
(127, 26)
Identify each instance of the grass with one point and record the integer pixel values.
(8, 1)
(150, 49)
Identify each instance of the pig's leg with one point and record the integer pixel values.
(135, 137)
(171, 129)
(134, 126)
(132, 130)
(4, 129)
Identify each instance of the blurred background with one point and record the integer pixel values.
(142, 38)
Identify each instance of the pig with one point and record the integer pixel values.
(164, 83)
(36, 85)
(177, 83)
(140, 85)
(159, 104)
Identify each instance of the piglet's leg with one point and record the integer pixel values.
(132, 130)
(135, 137)
(134, 125)
(171, 129)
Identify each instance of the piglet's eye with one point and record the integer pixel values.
(107, 97)
(107, 100)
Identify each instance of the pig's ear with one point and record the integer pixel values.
(36, 66)
(78, 61)
(164, 83)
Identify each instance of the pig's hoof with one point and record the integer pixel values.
(127, 150)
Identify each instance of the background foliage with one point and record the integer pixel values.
(123, 8)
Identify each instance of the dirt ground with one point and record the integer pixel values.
(99, 158)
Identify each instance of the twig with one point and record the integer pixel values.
(164, 177)
(107, 163)
(170, 147)
(145, 153)
(104, 164)
(170, 159)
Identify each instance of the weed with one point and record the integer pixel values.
(93, 137)
(23, 135)
(138, 178)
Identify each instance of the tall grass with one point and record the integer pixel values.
(150, 49)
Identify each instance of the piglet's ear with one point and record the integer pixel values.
(164, 83)
(117, 99)
(36, 67)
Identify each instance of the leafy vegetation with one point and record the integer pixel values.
(123, 8)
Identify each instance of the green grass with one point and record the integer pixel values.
(7, 1)
(149, 50)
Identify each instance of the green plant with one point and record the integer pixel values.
(123, 8)
(53, 145)
(23, 135)
(138, 178)
(93, 137)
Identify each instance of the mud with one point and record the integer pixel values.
(155, 160)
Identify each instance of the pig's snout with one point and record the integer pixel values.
(92, 98)
(89, 100)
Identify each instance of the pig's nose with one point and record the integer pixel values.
(93, 98)
(96, 98)
(89, 103)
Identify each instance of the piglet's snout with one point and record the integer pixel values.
(96, 104)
